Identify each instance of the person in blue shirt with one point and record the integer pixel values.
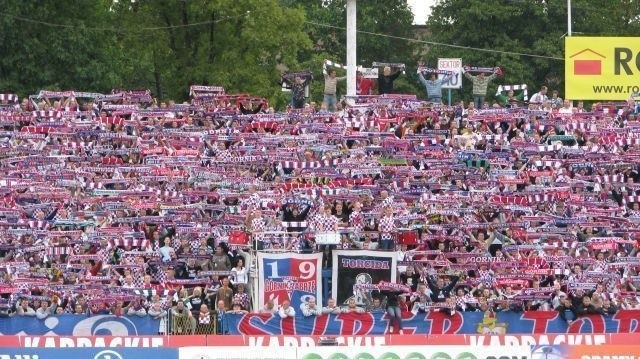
(222, 326)
(433, 86)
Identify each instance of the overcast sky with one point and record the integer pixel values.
(421, 8)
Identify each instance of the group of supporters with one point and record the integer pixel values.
(118, 204)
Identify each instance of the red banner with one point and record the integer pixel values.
(102, 341)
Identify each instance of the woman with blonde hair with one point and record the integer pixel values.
(241, 296)
(385, 80)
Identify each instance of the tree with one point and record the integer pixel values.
(167, 45)
(534, 27)
(237, 44)
(49, 44)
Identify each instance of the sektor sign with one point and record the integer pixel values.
(455, 66)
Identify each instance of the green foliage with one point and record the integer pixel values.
(243, 45)
(164, 45)
(34, 56)
(523, 26)
(238, 46)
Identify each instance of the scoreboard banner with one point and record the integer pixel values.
(351, 267)
(289, 276)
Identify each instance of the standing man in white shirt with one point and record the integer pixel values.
(566, 107)
(539, 97)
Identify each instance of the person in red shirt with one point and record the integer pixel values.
(364, 86)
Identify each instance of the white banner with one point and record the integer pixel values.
(369, 72)
(234, 353)
(455, 66)
(289, 276)
(333, 352)
(414, 352)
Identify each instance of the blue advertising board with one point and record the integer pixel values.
(80, 325)
(88, 353)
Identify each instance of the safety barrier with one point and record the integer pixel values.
(190, 325)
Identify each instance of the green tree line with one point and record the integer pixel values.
(533, 27)
(244, 45)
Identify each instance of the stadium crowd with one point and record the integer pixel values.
(117, 204)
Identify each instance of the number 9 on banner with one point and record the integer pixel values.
(307, 270)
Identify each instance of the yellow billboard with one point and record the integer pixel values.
(601, 68)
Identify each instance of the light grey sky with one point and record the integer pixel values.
(421, 9)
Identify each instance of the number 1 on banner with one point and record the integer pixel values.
(274, 269)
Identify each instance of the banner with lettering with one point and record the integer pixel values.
(352, 267)
(601, 68)
(98, 330)
(289, 276)
(434, 323)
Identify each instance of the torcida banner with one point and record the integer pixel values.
(601, 68)
(351, 267)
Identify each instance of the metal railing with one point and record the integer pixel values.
(191, 325)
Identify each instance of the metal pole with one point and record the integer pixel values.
(568, 17)
(351, 47)
(449, 96)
